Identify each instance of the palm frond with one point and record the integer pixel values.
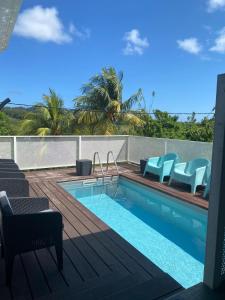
(132, 119)
(43, 131)
(102, 100)
(28, 126)
(135, 99)
(114, 106)
(88, 117)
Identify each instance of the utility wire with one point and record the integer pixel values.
(85, 109)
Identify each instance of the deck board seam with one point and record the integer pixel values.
(65, 251)
(84, 210)
(110, 240)
(89, 230)
(82, 237)
(74, 245)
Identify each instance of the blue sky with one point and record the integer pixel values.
(175, 48)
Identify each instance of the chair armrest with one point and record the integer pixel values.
(199, 174)
(180, 166)
(153, 160)
(168, 162)
(9, 174)
(15, 187)
(28, 205)
(21, 228)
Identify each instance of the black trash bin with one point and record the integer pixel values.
(84, 167)
(143, 164)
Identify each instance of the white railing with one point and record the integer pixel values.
(34, 152)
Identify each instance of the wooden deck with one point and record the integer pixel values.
(176, 190)
(98, 263)
(129, 171)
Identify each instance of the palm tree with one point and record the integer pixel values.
(47, 118)
(101, 105)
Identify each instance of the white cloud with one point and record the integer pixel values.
(83, 34)
(134, 43)
(219, 44)
(215, 4)
(190, 45)
(42, 24)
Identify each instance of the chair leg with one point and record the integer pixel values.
(2, 250)
(161, 178)
(206, 192)
(193, 189)
(2, 247)
(9, 259)
(59, 253)
(170, 181)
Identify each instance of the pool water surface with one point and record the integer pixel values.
(168, 231)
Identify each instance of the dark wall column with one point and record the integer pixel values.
(214, 274)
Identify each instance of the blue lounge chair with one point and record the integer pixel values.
(161, 165)
(192, 172)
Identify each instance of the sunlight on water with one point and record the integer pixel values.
(169, 232)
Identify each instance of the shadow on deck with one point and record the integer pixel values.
(98, 263)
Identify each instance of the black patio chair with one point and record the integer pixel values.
(9, 174)
(6, 160)
(2, 169)
(4, 165)
(27, 224)
(15, 187)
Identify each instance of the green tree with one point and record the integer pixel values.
(6, 127)
(200, 131)
(162, 125)
(48, 118)
(101, 107)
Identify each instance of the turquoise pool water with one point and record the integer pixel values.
(168, 231)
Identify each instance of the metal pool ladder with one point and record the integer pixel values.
(94, 164)
(114, 161)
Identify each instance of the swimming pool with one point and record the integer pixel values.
(170, 232)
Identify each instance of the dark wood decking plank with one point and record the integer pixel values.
(54, 278)
(155, 288)
(101, 259)
(169, 190)
(69, 271)
(20, 287)
(35, 276)
(109, 245)
(132, 253)
(72, 246)
(200, 292)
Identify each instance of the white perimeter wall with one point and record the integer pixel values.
(32, 152)
(141, 147)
